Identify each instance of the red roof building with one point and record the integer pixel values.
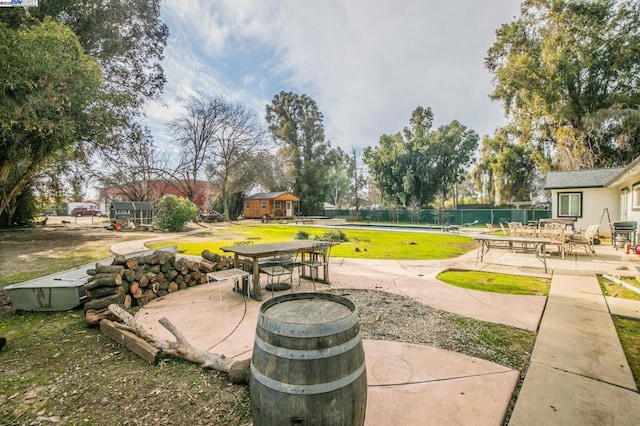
(156, 189)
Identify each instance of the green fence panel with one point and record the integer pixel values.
(480, 217)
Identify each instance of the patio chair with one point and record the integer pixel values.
(490, 228)
(514, 229)
(505, 231)
(318, 258)
(556, 232)
(585, 240)
(279, 271)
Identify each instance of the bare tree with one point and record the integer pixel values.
(133, 168)
(238, 141)
(196, 131)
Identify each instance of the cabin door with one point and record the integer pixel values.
(289, 208)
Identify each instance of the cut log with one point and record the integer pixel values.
(129, 275)
(99, 304)
(103, 275)
(135, 290)
(114, 280)
(131, 341)
(127, 302)
(100, 292)
(206, 266)
(147, 296)
(211, 257)
(94, 317)
(239, 371)
(125, 286)
(131, 263)
(139, 271)
(119, 259)
(109, 269)
(171, 274)
(164, 256)
(173, 286)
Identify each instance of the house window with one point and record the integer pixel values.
(247, 204)
(278, 206)
(263, 205)
(635, 199)
(570, 204)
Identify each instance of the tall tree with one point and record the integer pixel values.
(419, 165)
(219, 140)
(237, 142)
(127, 40)
(359, 179)
(339, 179)
(505, 169)
(195, 130)
(567, 74)
(296, 123)
(48, 84)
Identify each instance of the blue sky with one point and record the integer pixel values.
(367, 63)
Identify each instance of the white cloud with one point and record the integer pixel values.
(367, 64)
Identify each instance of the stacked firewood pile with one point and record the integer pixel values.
(130, 281)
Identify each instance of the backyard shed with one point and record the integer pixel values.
(138, 212)
(271, 204)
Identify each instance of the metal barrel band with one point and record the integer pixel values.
(308, 354)
(315, 389)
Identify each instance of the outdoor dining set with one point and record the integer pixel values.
(536, 237)
(278, 262)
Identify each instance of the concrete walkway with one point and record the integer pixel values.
(578, 373)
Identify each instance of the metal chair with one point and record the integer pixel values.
(280, 267)
(318, 257)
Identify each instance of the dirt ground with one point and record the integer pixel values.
(56, 370)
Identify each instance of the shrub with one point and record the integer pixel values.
(334, 235)
(173, 212)
(301, 235)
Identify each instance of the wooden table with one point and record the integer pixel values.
(525, 244)
(255, 252)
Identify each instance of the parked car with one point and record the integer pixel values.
(211, 217)
(83, 211)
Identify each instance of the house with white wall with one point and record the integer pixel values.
(591, 197)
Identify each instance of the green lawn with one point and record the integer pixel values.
(612, 289)
(363, 244)
(497, 283)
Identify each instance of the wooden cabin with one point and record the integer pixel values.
(271, 205)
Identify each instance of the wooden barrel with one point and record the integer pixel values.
(308, 365)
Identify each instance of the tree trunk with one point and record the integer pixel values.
(239, 371)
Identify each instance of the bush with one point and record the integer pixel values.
(334, 235)
(301, 235)
(173, 212)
